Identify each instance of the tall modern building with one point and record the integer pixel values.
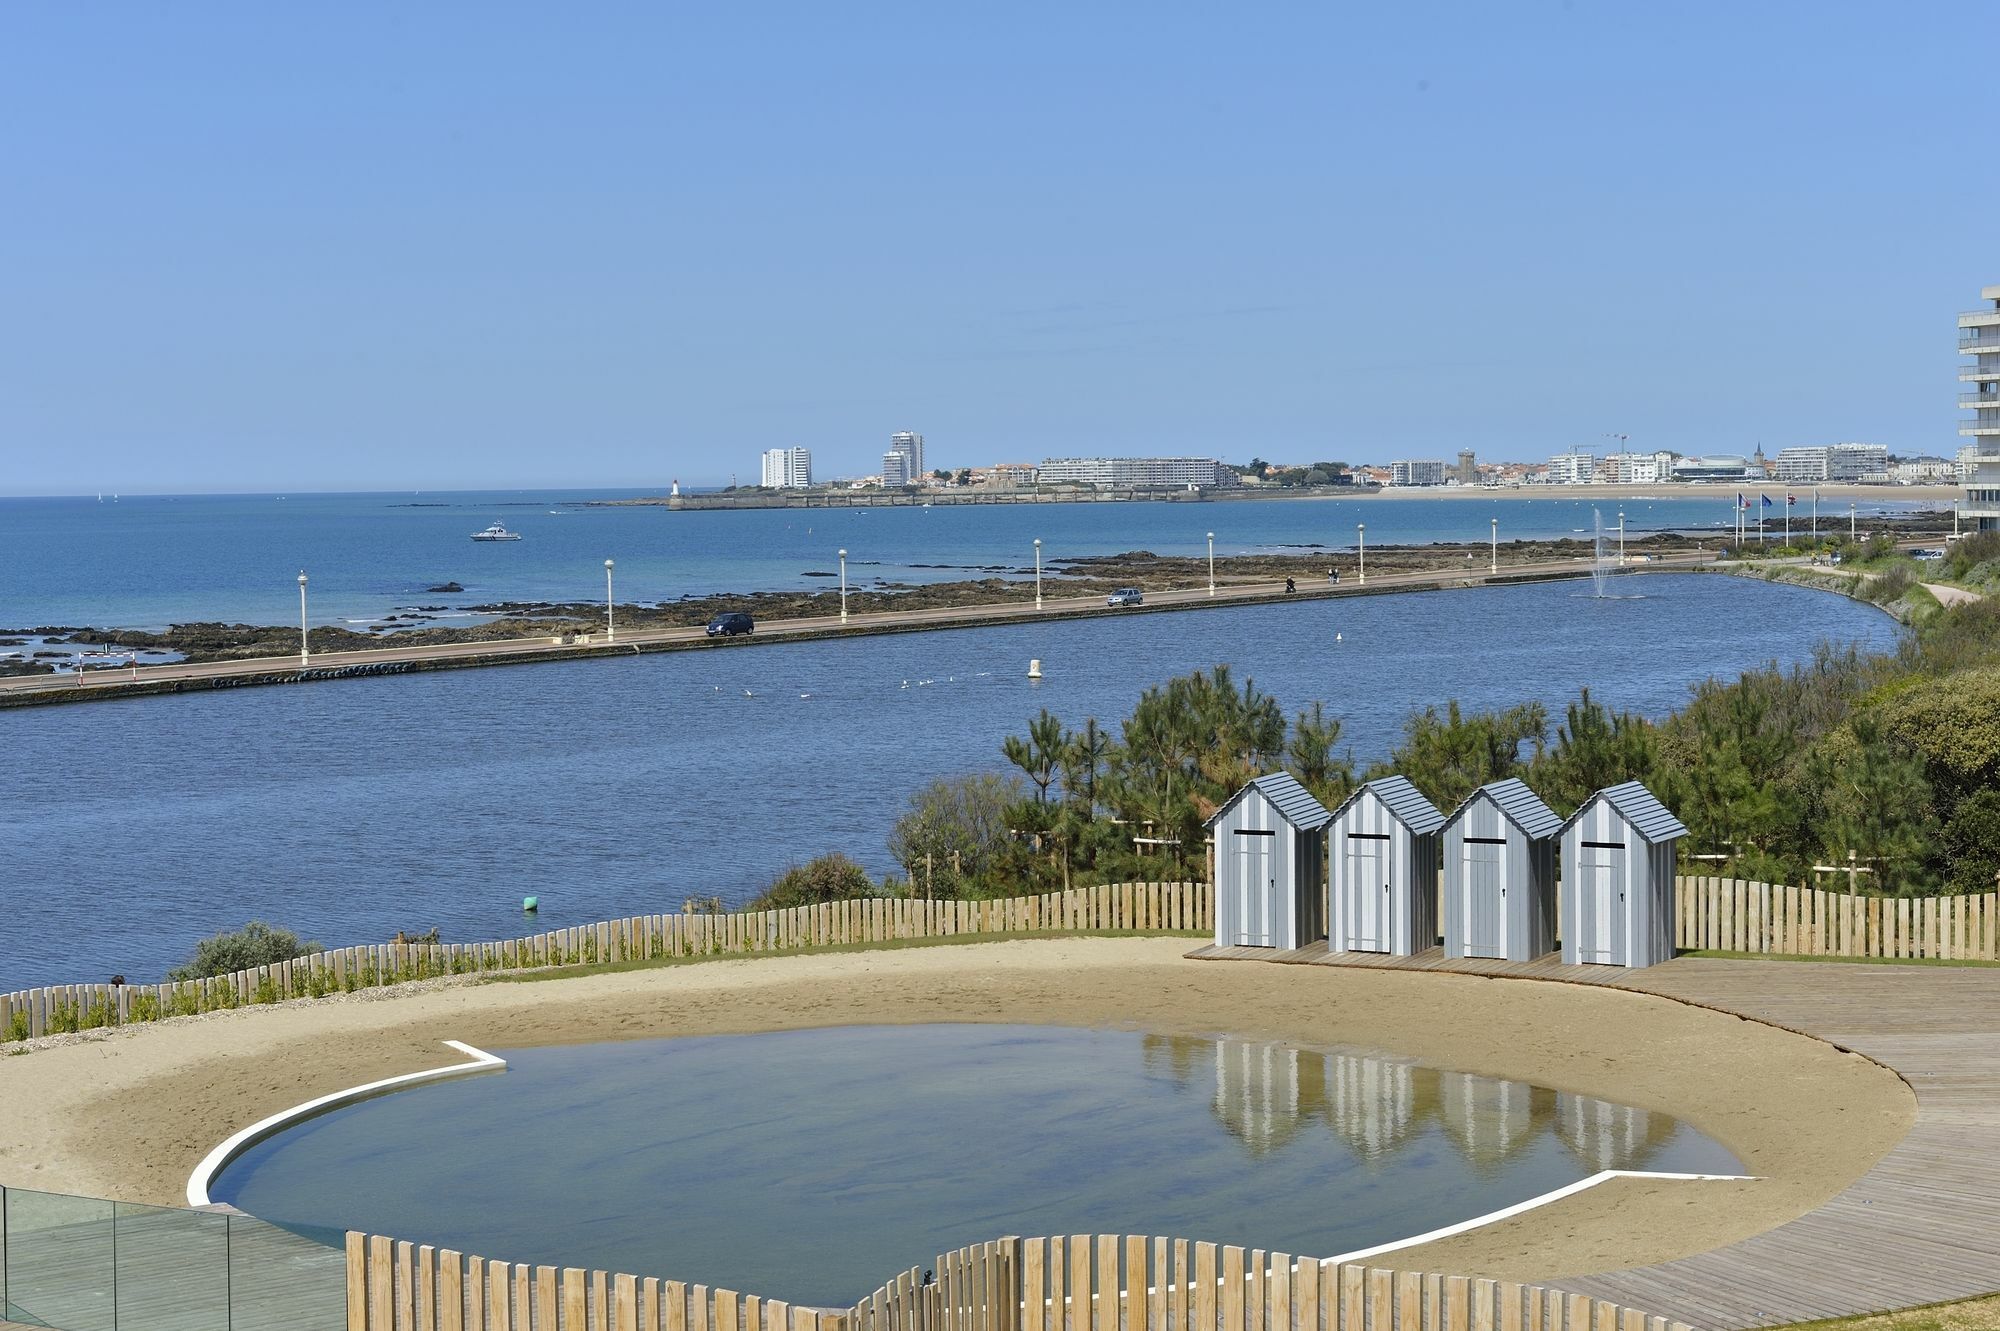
(1979, 337)
(910, 448)
(788, 468)
(1416, 473)
(1575, 467)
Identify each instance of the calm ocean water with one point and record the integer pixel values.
(757, 1140)
(350, 810)
(146, 562)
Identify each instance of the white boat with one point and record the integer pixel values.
(496, 533)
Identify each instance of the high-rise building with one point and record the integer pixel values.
(911, 446)
(1416, 473)
(1979, 338)
(788, 468)
(1575, 467)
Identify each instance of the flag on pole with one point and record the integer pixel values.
(1766, 498)
(1790, 499)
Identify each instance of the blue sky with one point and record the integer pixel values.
(253, 246)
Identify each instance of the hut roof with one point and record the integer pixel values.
(1404, 801)
(1639, 807)
(1294, 803)
(1517, 804)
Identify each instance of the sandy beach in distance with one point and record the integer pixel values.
(128, 1113)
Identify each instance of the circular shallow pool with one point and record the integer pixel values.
(811, 1165)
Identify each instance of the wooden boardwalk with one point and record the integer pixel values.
(1922, 1226)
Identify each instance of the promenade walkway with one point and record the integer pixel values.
(1922, 1226)
(151, 678)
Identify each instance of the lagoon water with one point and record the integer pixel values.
(813, 1165)
(349, 810)
(149, 561)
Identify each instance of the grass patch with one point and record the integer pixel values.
(1852, 961)
(1971, 1315)
(829, 949)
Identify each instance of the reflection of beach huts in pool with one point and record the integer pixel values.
(1618, 860)
(1270, 857)
(1384, 848)
(1491, 1121)
(1257, 1092)
(1500, 874)
(1604, 1136)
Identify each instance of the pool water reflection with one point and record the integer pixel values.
(808, 1165)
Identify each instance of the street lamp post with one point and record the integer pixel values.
(843, 586)
(1211, 563)
(1038, 573)
(1621, 538)
(1495, 565)
(610, 626)
(305, 651)
(1850, 520)
(1361, 545)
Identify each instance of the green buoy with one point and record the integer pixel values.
(531, 904)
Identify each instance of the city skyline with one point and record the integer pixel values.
(584, 259)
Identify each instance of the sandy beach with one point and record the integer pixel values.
(128, 1113)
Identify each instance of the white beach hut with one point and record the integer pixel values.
(1270, 865)
(1383, 853)
(1618, 866)
(1500, 874)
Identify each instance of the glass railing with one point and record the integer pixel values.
(85, 1264)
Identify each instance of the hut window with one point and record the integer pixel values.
(1606, 845)
(1489, 840)
(1253, 831)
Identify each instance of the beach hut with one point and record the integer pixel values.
(1618, 864)
(1270, 865)
(1500, 874)
(1383, 848)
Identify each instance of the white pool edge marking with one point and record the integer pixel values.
(1519, 1208)
(218, 1159)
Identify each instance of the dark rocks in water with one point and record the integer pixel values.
(42, 656)
(13, 642)
(815, 573)
(118, 981)
(445, 587)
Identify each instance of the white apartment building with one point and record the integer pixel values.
(1636, 468)
(1575, 467)
(1979, 338)
(1833, 462)
(911, 446)
(1923, 471)
(787, 468)
(1416, 473)
(1138, 473)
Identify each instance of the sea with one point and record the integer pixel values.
(349, 810)
(146, 562)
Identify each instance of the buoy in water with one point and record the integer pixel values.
(1035, 668)
(531, 904)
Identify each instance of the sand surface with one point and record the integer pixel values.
(129, 1113)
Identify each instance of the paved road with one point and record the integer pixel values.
(888, 621)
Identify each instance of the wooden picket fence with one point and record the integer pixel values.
(1143, 907)
(1733, 915)
(1084, 1282)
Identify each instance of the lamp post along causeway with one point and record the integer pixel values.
(843, 586)
(1621, 538)
(1494, 566)
(610, 625)
(1361, 546)
(1211, 563)
(305, 650)
(1038, 573)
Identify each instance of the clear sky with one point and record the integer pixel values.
(454, 245)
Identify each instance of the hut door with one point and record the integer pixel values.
(1600, 901)
(1485, 898)
(1367, 911)
(1256, 888)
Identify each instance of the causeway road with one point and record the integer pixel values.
(70, 686)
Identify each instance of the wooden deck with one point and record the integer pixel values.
(1922, 1226)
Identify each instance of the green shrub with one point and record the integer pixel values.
(145, 1007)
(831, 877)
(255, 944)
(17, 1026)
